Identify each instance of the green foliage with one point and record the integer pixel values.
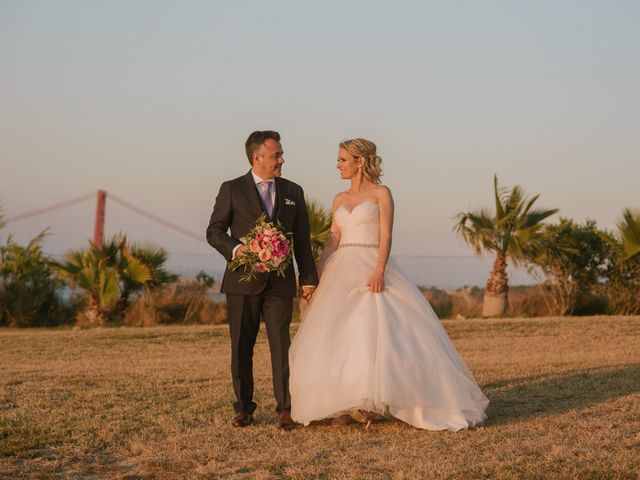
(111, 273)
(573, 259)
(28, 289)
(319, 226)
(624, 274)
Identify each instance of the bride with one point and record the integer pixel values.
(370, 343)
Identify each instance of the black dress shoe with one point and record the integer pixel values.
(285, 422)
(242, 419)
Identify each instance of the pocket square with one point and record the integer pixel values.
(289, 202)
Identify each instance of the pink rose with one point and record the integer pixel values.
(264, 255)
(254, 246)
(279, 245)
(261, 267)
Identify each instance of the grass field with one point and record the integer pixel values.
(155, 403)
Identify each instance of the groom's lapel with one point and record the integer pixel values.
(279, 193)
(253, 196)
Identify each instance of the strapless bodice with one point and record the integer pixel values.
(360, 225)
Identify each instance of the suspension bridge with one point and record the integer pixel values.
(97, 215)
(94, 216)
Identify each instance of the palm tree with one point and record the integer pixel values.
(319, 226)
(505, 234)
(624, 272)
(111, 272)
(93, 271)
(629, 228)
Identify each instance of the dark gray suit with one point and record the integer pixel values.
(236, 210)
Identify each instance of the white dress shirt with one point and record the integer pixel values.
(258, 180)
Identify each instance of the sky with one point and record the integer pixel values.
(153, 100)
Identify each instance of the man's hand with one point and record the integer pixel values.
(307, 292)
(240, 251)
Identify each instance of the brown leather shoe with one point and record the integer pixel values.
(285, 422)
(242, 419)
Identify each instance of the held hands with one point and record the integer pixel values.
(307, 292)
(376, 281)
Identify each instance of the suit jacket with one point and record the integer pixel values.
(237, 209)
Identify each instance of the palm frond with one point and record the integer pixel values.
(535, 217)
(109, 288)
(319, 225)
(498, 199)
(477, 229)
(37, 240)
(2, 222)
(154, 257)
(135, 270)
(629, 228)
(525, 210)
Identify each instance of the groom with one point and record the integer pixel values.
(238, 205)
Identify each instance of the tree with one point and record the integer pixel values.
(28, 289)
(574, 261)
(319, 226)
(624, 275)
(506, 234)
(111, 273)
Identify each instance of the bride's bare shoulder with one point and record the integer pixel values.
(382, 192)
(337, 199)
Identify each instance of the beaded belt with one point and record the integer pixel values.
(361, 245)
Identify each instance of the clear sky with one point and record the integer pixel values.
(152, 100)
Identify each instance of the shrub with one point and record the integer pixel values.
(524, 301)
(30, 295)
(573, 260)
(624, 287)
(440, 300)
(527, 301)
(186, 303)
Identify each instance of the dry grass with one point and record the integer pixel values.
(155, 403)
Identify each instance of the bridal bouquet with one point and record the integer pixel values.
(269, 251)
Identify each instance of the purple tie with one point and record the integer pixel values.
(265, 194)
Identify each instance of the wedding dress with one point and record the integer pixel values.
(382, 352)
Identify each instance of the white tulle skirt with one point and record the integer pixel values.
(382, 352)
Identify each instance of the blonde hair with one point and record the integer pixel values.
(365, 149)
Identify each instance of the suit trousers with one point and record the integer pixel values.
(244, 313)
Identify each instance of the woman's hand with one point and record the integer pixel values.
(376, 281)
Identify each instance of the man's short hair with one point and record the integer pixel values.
(256, 139)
